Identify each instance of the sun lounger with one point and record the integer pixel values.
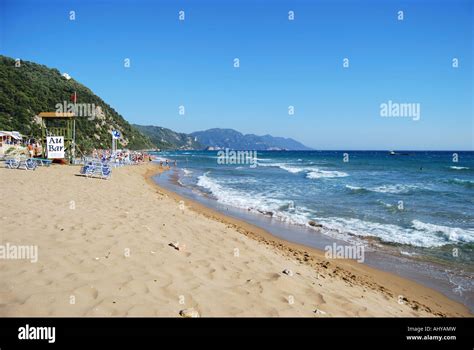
(28, 164)
(21, 163)
(43, 161)
(12, 163)
(97, 169)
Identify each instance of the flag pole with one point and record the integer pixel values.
(74, 128)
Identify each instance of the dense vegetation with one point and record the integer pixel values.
(29, 89)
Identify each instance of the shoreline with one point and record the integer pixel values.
(111, 253)
(311, 256)
(431, 274)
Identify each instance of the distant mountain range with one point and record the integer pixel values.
(229, 138)
(216, 139)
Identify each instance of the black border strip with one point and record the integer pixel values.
(89, 331)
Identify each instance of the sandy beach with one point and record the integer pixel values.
(104, 250)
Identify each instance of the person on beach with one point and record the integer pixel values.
(175, 163)
(30, 150)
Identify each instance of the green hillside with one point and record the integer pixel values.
(27, 90)
(165, 138)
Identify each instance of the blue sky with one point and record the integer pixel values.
(283, 63)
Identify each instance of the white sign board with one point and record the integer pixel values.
(55, 147)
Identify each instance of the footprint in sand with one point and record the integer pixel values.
(319, 299)
(138, 287)
(86, 292)
(273, 276)
(211, 273)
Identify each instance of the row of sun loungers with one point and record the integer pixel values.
(26, 163)
(96, 168)
(92, 167)
(21, 163)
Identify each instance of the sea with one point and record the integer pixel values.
(412, 211)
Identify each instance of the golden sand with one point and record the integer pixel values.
(104, 250)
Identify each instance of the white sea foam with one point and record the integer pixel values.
(318, 174)
(465, 183)
(419, 234)
(387, 205)
(225, 182)
(290, 168)
(397, 188)
(311, 171)
(254, 202)
(393, 188)
(385, 232)
(356, 189)
(459, 167)
(245, 200)
(187, 172)
(453, 234)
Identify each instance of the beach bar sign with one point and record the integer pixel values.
(55, 147)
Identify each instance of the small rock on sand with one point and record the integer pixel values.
(189, 313)
(177, 246)
(288, 272)
(319, 312)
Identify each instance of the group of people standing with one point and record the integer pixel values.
(167, 163)
(34, 149)
(123, 156)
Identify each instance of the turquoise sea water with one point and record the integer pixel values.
(415, 204)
